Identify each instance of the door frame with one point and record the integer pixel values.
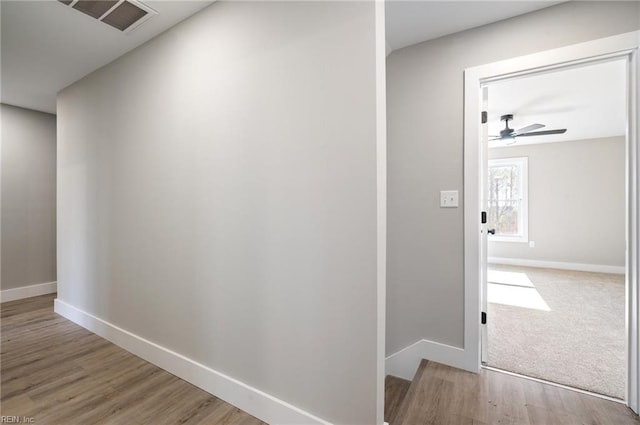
(619, 46)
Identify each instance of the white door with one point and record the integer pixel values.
(484, 181)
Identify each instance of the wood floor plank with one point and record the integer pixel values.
(540, 415)
(229, 415)
(21, 403)
(411, 395)
(502, 391)
(26, 305)
(395, 389)
(427, 389)
(145, 385)
(59, 373)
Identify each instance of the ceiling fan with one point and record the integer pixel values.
(509, 134)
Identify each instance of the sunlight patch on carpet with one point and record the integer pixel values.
(509, 278)
(516, 296)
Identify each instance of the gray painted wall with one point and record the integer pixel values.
(576, 202)
(28, 197)
(425, 138)
(219, 193)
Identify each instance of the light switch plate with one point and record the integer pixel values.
(448, 199)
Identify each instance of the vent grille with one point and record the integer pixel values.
(95, 9)
(124, 15)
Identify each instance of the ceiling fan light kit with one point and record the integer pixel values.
(509, 135)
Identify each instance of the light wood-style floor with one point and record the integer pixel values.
(56, 372)
(442, 395)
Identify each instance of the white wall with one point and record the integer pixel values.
(425, 136)
(217, 196)
(576, 202)
(28, 163)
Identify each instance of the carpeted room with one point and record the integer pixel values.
(556, 280)
(562, 326)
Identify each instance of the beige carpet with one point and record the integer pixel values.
(561, 326)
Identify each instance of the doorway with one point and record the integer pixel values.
(624, 47)
(555, 202)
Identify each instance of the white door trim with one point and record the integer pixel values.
(381, 185)
(624, 45)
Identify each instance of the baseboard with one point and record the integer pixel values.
(251, 400)
(405, 362)
(28, 291)
(595, 268)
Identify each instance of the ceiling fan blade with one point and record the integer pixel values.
(543, 133)
(529, 128)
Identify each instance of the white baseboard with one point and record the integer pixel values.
(28, 291)
(595, 268)
(253, 401)
(405, 362)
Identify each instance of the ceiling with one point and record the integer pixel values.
(589, 101)
(414, 21)
(46, 46)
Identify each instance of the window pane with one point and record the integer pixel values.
(504, 217)
(504, 198)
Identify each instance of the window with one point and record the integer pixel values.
(507, 199)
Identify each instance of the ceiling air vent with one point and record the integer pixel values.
(95, 9)
(124, 15)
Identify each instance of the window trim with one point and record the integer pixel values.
(523, 218)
